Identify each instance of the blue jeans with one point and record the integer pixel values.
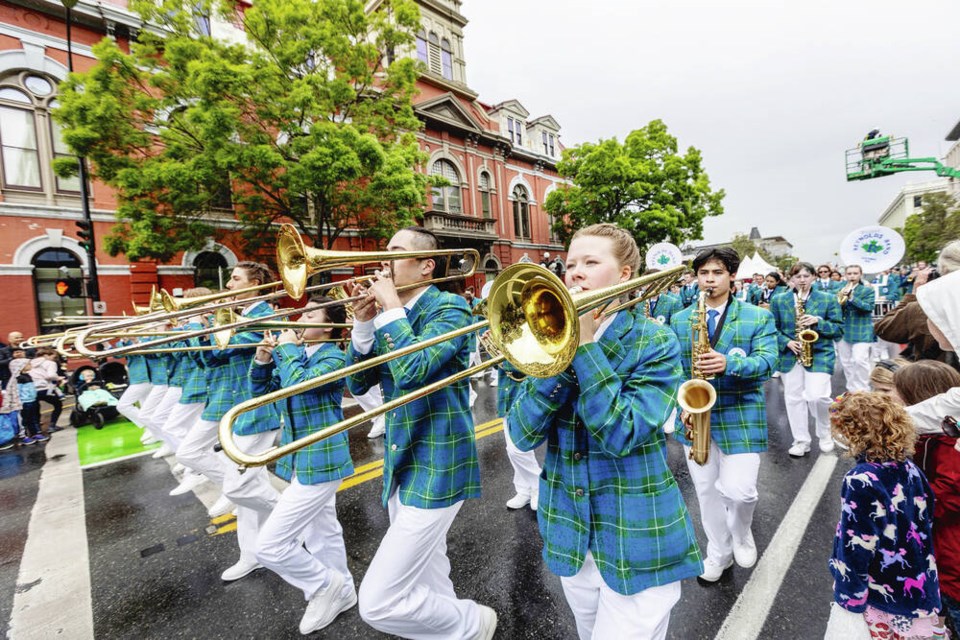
(30, 417)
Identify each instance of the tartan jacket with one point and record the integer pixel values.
(756, 294)
(137, 371)
(157, 367)
(430, 453)
(689, 293)
(227, 372)
(193, 373)
(748, 338)
(508, 388)
(833, 286)
(663, 308)
(606, 487)
(858, 315)
(307, 412)
(830, 327)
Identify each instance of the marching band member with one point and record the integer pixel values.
(743, 355)
(857, 300)
(824, 282)
(227, 370)
(430, 463)
(193, 399)
(772, 285)
(807, 388)
(157, 366)
(662, 307)
(138, 388)
(689, 291)
(526, 468)
(302, 540)
(613, 521)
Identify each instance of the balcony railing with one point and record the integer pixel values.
(456, 224)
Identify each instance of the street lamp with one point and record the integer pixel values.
(93, 287)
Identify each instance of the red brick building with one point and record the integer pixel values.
(500, 163)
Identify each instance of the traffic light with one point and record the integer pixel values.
(85, 233)
(69, 287)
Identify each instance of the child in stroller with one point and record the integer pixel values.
(94, 403)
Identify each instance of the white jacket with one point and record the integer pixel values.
(940, 300)
(44, 373)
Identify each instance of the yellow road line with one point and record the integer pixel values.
(227, 517)
(227, 528)
(373, 470)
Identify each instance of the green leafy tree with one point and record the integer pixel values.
(643, 185)
(927, 232)
(310, 121)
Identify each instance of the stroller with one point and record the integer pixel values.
(96, 393)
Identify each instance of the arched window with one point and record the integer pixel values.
(422, 54)
(210, 270)
(446, 198)
(521, 212)
(50, 265)
(446, 58)
(485, 195)
(29, 138)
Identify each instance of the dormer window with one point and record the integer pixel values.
(548, 143)
(515, 127)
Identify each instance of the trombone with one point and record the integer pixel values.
(533, 323)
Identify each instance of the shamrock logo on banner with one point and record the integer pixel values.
(872, 247)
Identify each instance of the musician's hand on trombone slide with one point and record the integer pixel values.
(365, 308)
(288, 336)
(384, 290)
(265, 349)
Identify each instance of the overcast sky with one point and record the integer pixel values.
(771, 92)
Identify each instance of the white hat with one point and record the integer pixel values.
(485, 291)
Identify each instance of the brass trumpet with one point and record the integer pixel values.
(533, 323)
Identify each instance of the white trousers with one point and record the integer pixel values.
(251, 491)
(196, 451)
(135, 393)
(158, 418)
(179, 421)
(855, 360)
(804, 393)
(149, 406)
(602, 613)
(526, 469)
(372, 399)
(727, 492)
(310, 510)
(407, 590)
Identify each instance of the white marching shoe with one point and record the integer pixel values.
(164, 451)
(189, 482)
(745, 552)
(488, 622)
(799, 449)
(378, 429)
(713, 571)
(221, 507)
(518, 501)
(326, 604)
(239, 570)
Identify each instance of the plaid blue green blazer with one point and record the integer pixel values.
(833, 286)
(663, 308)
(193, 372)
(748, 338)
(157, 366)
(830, 327)
(431, 452)
(689, 293)
(307, 412)
(858, 315)
(891, 290)
(227, 373)
(137, 371)
(508, 388)
(755, 294)
(606, 487)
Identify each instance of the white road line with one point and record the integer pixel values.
(746, 619)
(52, 598)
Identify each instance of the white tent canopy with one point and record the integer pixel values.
(746, 270)
(759, 265)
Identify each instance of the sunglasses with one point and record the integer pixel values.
(949, 426)
(890, 366)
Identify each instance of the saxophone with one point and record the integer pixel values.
(806, 337)
(697, 396)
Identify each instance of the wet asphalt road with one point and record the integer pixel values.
(155, 560)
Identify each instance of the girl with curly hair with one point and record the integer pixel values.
(883, 562)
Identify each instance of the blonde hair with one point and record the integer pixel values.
(949, 260)
(883, 373)
(873, 425)
(625, 248)
(196, 292)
